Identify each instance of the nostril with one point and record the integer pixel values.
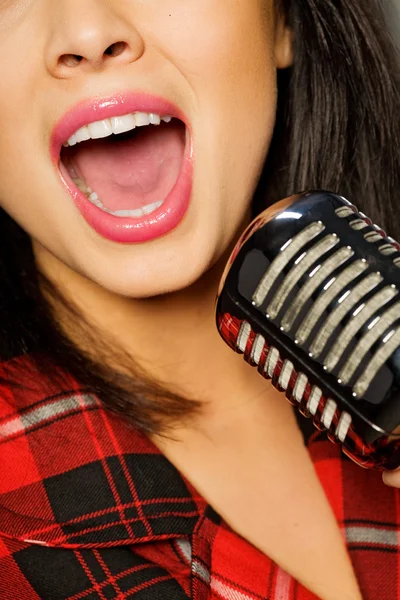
(74, 60)
(70, 60)
(116, 49)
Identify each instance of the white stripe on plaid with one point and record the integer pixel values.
(45, 413)
(185, 548)
(372, 535)
(282, 586)
(228, 593)
(201, 571)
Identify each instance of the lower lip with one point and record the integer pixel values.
(131, 230)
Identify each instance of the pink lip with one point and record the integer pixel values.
(118, 229)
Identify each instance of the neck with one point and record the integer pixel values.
(172, 337)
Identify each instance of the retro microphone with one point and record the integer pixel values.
(311, 297)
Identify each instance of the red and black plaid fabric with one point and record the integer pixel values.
(90, 510)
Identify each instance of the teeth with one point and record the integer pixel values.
(128, 213)
(115, 125)
(82, 135)
(154, 119)
(147, 210)
(100, 129)
(72, 140)
(138, 212)
(142, 119)
(123, 124)
(94, 199)
(81, 185)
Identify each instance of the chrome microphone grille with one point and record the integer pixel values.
(311, 298)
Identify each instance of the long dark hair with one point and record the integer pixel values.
(337, 128)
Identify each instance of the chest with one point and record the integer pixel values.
(263, 484)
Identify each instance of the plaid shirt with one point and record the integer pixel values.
(90, 510)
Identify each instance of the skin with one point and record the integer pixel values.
(218, 60)
(46, 83)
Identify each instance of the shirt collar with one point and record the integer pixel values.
(74, 475)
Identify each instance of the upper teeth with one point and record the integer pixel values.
(115, 125)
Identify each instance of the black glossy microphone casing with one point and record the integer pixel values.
(311, 298)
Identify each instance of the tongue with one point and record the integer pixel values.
(129, 172)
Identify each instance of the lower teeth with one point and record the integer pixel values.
(94, 199)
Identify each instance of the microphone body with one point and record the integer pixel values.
(311, 298)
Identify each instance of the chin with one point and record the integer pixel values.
(153, 275)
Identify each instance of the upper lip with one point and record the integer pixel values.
(98, 109)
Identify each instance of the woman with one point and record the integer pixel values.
(139, 456)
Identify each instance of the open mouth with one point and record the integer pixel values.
(128, 165)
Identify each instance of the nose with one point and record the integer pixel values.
(88, 35)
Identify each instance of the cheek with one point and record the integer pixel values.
(218, 42)
(224, 50)
(23, 141)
